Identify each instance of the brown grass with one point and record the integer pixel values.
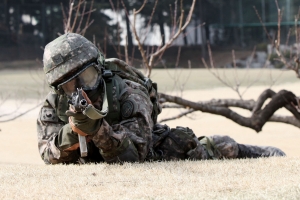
(274, 178)
(24, 176)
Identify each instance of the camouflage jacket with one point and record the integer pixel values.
(136, 121)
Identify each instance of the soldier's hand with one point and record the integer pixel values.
(80, 121)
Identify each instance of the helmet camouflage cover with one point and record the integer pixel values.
(68, 54)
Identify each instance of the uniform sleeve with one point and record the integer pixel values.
(136, 122)
(49, 127)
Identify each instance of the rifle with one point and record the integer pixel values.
(80, 103)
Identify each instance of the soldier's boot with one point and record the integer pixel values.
(226, 147)
(250, 151)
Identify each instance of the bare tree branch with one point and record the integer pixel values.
(81, 19)
(141, 48)
(21, 114)
(88, 23)
(69, 26)
(168, 44)
(75, 18)
(150, 19)
(69, 17)
(285, 119)
(282, 99)
(177, 116)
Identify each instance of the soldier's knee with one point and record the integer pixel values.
(225, 146)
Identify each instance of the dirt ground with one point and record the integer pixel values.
(18, 141)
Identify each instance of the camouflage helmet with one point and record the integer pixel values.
(67, 55)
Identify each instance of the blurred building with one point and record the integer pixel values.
(27, 25)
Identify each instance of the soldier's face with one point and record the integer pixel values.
(87, 80)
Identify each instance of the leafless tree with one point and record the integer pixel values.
(223, 107)
(260, 115)
(13, 101)
(76, 19)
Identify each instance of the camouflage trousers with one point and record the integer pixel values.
(181, 143)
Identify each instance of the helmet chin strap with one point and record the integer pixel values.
(94, 113)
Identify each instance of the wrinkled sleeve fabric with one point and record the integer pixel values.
(136, 122)
(49, 127)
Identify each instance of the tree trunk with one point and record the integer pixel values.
(43, 16)
(161, 28)
(233, 20)
(129, 35)
(196, 39)
(184, 35)
(203, 30)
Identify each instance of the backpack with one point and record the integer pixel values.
(116, 66)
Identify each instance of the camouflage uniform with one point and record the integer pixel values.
(128, 132)
(136, 127)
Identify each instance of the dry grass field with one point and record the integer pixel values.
(24, 176)
(274, 178)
